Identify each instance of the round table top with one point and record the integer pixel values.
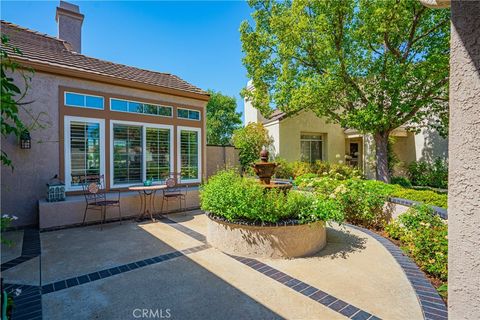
(147, 188)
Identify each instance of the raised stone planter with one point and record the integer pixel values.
(281, 240)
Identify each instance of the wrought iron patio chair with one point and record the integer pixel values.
(174, 192)
(96, 197)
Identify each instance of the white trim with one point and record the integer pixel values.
(84, 100)
(143, 103)
(67, 154)
(199, 114)
(199, 146)
(143, 125)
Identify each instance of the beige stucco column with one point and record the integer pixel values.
(464, 163)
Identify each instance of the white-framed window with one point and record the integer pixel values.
(139, 151)
(121, 105)
(311, 146)
(189, 157)
(84, 149)
(188, 114)
(80, 100)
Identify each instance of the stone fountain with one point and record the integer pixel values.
(265, 170)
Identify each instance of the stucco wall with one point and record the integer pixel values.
(221, 157)
(22, 188)
(274, 132)
(464, 163)
(307, 122)
(429, 145)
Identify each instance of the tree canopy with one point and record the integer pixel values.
(222, 118)
(368, 65)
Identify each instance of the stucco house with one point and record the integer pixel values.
(307, 137)
(96, 117)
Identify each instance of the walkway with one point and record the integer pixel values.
(166, 269)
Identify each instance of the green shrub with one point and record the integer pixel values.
(424, 236)
(360, 200)
(402, 181)
(250, 140)
(287, 170)
(433, 174)
(299, 168)
(284, 169)
(423, 196)
(233, 197)
(361, 205)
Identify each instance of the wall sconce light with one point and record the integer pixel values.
(25, 140)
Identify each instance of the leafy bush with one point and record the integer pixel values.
(424, 236)
(321, 185)
(432, 174)
(233, 197)
(402, 181)
(361, 200)
(299, 168)
(250, 140)
(5, 222)
(296, 169)
(361, 205)
(336, 170)
(423, 196)
(284, 169)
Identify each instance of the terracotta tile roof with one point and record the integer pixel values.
(276, 115)
(45, 49)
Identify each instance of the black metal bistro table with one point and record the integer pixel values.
(147, 198)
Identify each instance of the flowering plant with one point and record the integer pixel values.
(6, 220)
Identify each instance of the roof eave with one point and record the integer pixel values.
(89, 75)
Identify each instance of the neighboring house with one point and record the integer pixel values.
(126, 123)
(307, 137)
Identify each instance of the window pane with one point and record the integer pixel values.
(194, 115)
(127, 154)
(189, 154)
(311, 137)
(118, 105)
(165, 111)
(311, 147)
(73, 99)
(182, 113)
(135, 107)
(84, 150)
(94, 102)
(305, 151)
(158, 153)
(150, 109)
(316, 151)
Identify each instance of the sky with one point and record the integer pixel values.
(197, 41)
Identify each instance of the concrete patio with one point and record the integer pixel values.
(167, 269)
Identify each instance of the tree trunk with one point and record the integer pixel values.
(381, 156)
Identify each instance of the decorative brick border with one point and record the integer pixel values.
(30, 249)
(28, 304)
(442, 212)
(432, 305)
(102, 274)
(307, 290)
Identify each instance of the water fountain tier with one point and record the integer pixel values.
(265, 170)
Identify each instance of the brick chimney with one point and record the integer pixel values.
(69, 20)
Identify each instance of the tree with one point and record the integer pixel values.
(250, 140)
(11, 97)
(222, 118)
(368, 65)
